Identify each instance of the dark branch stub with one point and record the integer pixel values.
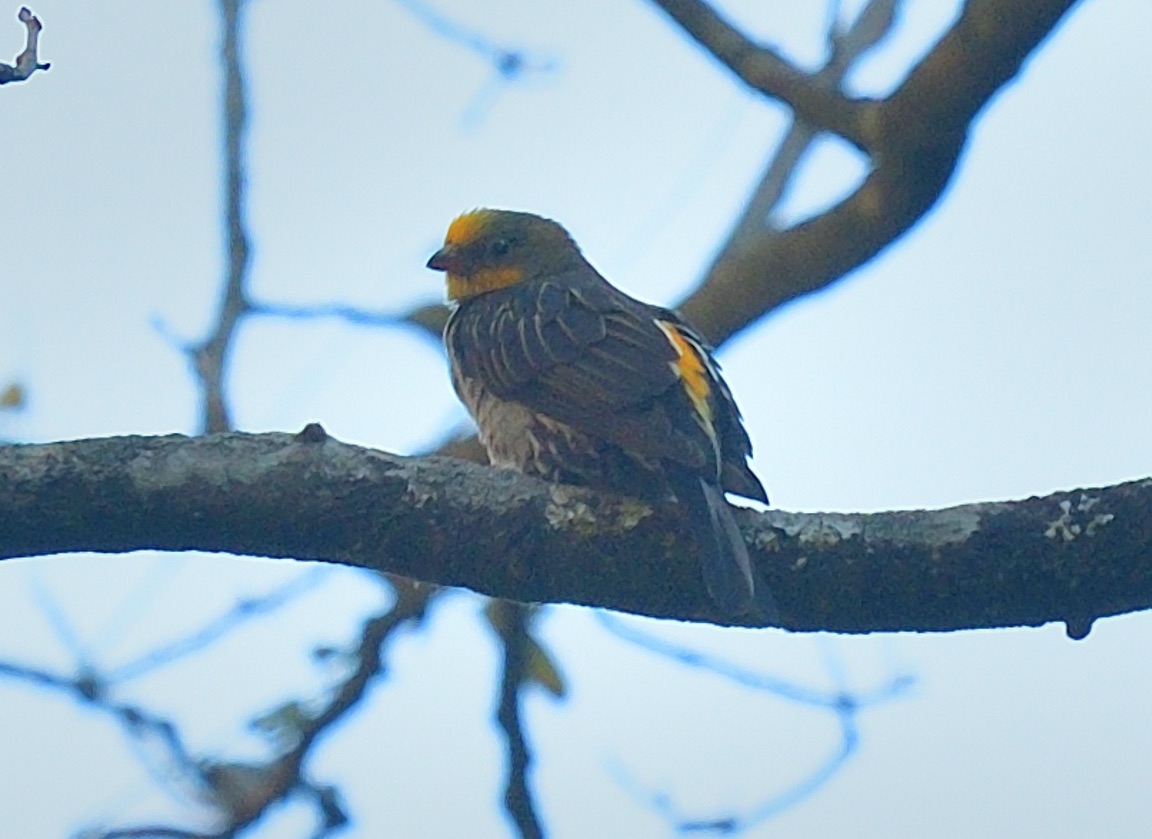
(1078, 628)
(313, 432)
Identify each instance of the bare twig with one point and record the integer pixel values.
(243, 610)
(210, 357)
(765, 70)
(158, 735)
(828, 700)
(285, 775)
(240, 793)
(26, 62)
(510, 63)
(511, 622)
(845, 704)
(869, 29)
(429, 319)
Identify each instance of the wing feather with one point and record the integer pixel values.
(585, 354)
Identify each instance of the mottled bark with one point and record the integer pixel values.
(1073, 556)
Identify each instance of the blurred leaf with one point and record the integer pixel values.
(544, 672)
(284, 725)
(243, 790)
(13, 397)
(504, 616)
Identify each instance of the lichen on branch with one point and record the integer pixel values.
(1070, 556)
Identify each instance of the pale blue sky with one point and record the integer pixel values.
(1000, 350)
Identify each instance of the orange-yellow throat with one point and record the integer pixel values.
(462, 287)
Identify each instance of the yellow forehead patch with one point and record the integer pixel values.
(466, 227)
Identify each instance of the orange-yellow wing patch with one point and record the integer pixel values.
(694, 373)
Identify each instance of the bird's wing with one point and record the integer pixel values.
(593, 358)
(735, 447)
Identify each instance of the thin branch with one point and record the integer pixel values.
(869, 29)
(412, 600)
(243, 610)
(152, 832)
(210, 358)
(829, 700)
(512, 627)
(846, 705)
(240, 793)
(429, 319)
(735, 823)
(27, 62)
(1071, 556)
(156, 736)
(765, 70)
(285, 775)
(510, 63)
(37, 676)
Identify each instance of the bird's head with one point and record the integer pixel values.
(485, 250)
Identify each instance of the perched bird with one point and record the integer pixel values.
(571, 380)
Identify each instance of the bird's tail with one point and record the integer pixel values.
(724, 559)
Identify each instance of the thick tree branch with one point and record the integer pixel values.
(870, 28)
(914, 139)
(755, 227)
(1072, 556)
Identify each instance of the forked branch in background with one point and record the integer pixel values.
(913, 139)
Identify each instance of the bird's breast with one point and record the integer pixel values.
(515, 436)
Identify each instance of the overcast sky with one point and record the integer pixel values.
(998, 351)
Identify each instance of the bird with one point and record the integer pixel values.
(573, 381)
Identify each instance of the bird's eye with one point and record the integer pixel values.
(501, 247)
